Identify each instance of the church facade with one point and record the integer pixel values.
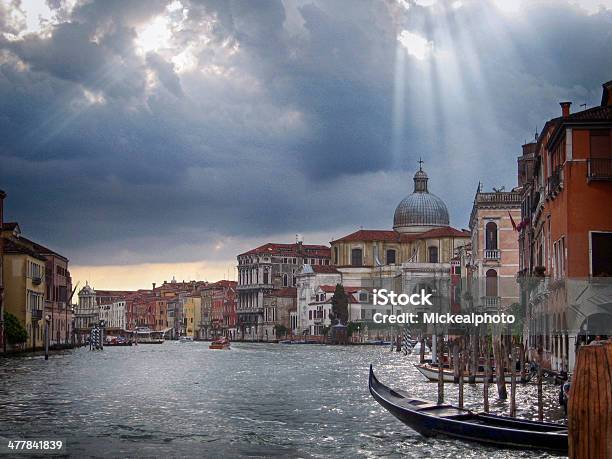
(416, 252)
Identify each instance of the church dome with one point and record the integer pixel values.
(421, 210)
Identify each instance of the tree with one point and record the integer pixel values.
(340, 304)
(351, 328)
(15, 333)
(280, 330)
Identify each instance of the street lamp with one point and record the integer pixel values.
(102, 325)
(47, 320)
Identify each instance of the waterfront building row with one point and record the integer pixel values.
(35, 287)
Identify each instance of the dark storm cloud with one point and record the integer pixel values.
(252, 119)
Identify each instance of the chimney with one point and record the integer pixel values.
(565, 108)
(153, 285)
(606, 97)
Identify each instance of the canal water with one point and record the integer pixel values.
(256, 400)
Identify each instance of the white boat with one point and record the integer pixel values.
(416, 350)
(431, 373)
(186, 339)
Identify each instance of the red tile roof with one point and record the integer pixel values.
(376, 235)
(601, 115)
(446, 231)
(224, 283)
(12, 247)
(324, 269)
(351, 299)
(394, 236)
(332, 289)
(41, 248)
(291, 250)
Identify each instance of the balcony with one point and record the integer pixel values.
(491, 301)
(555, 182)
(254, 286)
(36, 280)
(37, 314)
(599, 169)
(492, 254)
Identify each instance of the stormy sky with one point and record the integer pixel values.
(147, 138)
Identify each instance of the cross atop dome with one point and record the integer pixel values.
(421, 163)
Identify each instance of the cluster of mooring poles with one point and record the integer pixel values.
(96, 337)
(496, 353)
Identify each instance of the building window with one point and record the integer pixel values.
(491, 236)
(285, 280)
(600, 144)
(601, 254)
(433, 254)
(310, 315)
(336, 255)
(491, 283)
(363, 297)
(390, 257)
(356, 257)
(266, 276)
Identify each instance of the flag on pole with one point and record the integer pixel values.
(512, 220)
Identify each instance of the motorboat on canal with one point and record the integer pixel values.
(220, 343)
(430, 419)
(431, 372)
(144, 335)
(117, 341)
(186, 339)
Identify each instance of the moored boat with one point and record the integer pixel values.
(430, 419)
(221, 343)
(186, 339)
(431, 373)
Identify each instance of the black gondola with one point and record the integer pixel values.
(431, 419)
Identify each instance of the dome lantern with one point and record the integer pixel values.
(421, 210)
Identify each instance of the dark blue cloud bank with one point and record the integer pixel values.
(150, 127)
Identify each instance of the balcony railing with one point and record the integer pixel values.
(37, 314)
(491, 301)
(492, 254)
(555, 181)
(599, 169)
(254, 286)
(36, 280)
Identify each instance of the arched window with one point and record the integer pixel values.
(390, 257)
(491, 283)
(285, 280)
(266, 277)
(491, 236)
(433, 254)
(356, 257)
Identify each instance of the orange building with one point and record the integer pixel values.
(2, 343)
(566, 229)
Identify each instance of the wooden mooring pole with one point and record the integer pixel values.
(487, 376)
(440, 345)
(512, 380)
(422, 353)
(590, 404)
(461, 365)
(540, 378)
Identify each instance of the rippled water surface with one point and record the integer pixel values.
(257, 400)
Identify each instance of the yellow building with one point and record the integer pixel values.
(23, 276)
(193, 314)
(421, 242)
